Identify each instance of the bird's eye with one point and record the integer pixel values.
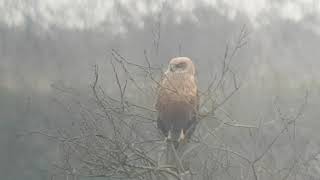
(181, 65)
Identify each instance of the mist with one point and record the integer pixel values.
(48, 46)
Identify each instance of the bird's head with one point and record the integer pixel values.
(181, 65)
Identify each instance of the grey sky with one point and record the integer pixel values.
(80, 14)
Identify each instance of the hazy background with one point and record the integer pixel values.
(48, 42)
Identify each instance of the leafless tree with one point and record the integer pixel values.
(117, 137)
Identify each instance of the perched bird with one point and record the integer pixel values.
(178, 102)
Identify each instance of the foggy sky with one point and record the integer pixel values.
(86, 14)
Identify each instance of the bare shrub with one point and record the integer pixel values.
(117, 137)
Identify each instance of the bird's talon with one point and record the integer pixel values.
(181, 137)
(169, 135)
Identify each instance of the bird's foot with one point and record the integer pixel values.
(168, 138)
(181, 137)
(169, 135)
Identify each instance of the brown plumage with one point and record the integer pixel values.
(178, 101)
